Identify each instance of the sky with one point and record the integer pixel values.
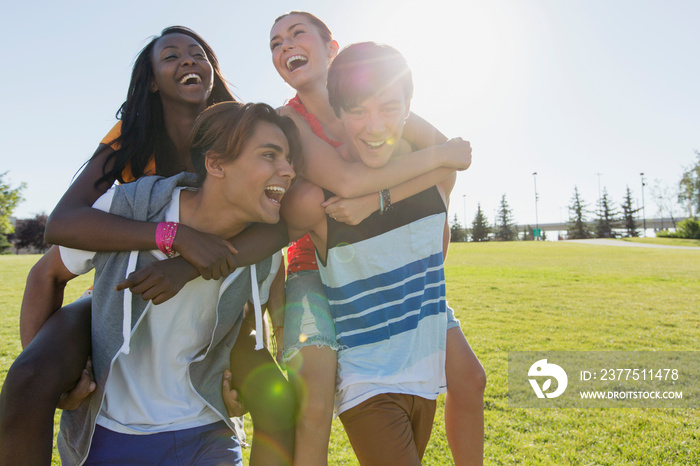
(586, 93)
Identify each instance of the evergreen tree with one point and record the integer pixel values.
(457, 232)
(4, 244)
(505, 228)
(628, 212)
(578, 227)
(480, 226)
(607, 216)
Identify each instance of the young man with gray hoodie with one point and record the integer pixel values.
(158, 367)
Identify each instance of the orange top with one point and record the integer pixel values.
(301, 254)
(110, 140)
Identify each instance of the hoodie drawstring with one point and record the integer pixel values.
(258, 309)
(126, 323)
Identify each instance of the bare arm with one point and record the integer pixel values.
(43, 294)
(259, 241)
(355, 210)
(276, 300)
(301, 207)
(74, 223)
(275, 306)
(324, 167)
(161, 280)
(444, 177)
(445, 187)
(420, 133)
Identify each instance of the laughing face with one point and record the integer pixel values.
(181, 70)
(257, 179)
(299, 53)
(374, 126)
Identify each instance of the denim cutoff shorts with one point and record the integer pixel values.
(452, 321)
(307, 314)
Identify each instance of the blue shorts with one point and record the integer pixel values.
(307, 315)
(213, 444)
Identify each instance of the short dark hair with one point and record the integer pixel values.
(364, 69)
(222, 130)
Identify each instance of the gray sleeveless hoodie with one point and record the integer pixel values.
(115, 315)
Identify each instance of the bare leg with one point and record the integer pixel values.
(270, 399)
(49, 366)
(464, 402)
(312, 371)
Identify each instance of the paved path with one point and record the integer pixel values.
(630, 244)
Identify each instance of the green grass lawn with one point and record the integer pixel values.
(543, 296)
(665, 241)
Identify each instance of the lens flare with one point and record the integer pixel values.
(345, 252)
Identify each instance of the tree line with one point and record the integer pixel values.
(609, 221)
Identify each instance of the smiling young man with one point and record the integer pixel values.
(158, 367)
(384, 277)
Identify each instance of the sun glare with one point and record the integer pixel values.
(461, 55)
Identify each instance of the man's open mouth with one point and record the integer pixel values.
(275, 193)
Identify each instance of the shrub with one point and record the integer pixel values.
(688, 228)
(4, 244)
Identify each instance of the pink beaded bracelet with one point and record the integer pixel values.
(165, 236)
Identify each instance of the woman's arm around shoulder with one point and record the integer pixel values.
(302, 209)
(324, 166)
(422, 134)
(75, 224)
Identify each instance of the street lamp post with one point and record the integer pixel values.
(464, 207)
(537, 220)
(644, 213)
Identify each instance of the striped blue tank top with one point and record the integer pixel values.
(385, 282)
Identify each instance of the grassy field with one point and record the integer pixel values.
(665, 241)
(540, 296)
